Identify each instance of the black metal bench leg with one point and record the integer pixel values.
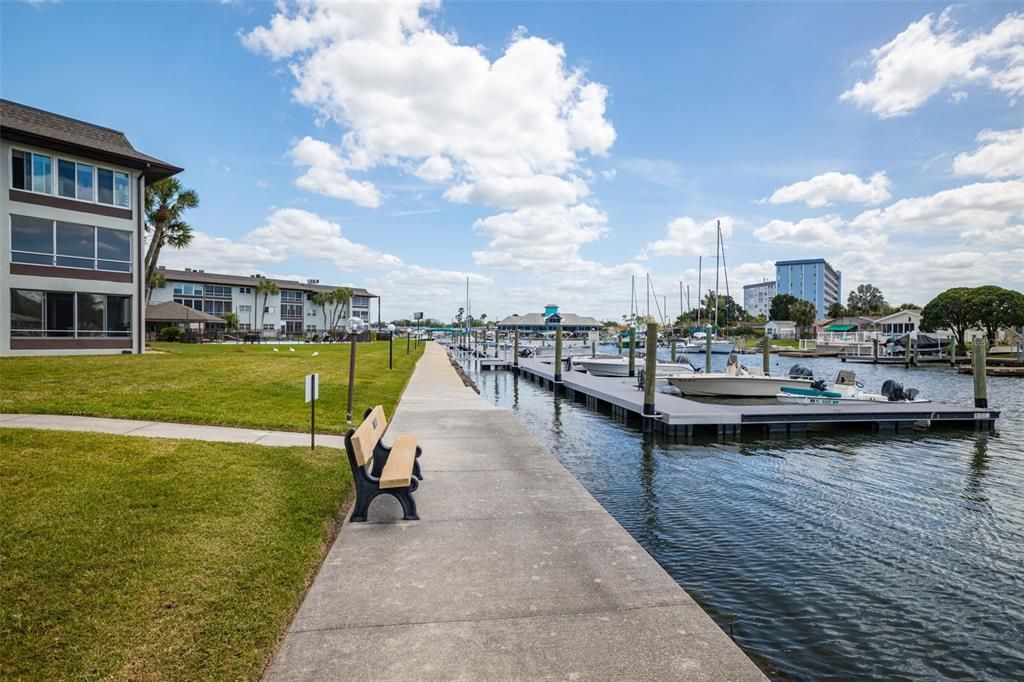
(362, 504)
(404, 498)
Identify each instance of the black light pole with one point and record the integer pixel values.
(391, 346)
(354, 326)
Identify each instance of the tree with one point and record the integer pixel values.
(728, 309)
(230, 321)
(157, 281)
(803, 313)
(866, 299)
(836, 310)
(953, 309)
(340, 297)
(780, 306)
(996, 308)
(166, 202)
(265, 287)
(321, 299)
(458, 317)
(907, 306)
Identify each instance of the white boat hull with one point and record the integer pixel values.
(729, 386)
(717, 347)
(790, 399)
(615, 367)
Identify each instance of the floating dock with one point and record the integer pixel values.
(676, 416)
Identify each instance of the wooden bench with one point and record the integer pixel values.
(378, 469)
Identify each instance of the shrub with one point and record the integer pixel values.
(171, 333)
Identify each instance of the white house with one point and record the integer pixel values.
(781, 329)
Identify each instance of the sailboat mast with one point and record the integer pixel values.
(700, 271)
(648, 313)
(718, 237)
(680, 298)
(632, 298)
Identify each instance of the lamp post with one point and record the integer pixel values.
(354, 326)
(391, 346)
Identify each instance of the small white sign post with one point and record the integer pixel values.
(312, 393)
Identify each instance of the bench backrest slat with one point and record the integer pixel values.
(368, 435)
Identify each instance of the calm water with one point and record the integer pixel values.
(842, 555)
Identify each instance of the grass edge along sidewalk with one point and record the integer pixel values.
(155, 558)
(248, 386)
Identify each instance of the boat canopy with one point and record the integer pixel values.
(840, 327)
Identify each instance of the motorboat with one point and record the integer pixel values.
(698, 344)
(619, 367)
(847, 388)
(738, 381)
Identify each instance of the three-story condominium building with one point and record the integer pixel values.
(71, 234)
(290, 311)
(757, 298)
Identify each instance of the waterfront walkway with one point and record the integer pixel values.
(148, 429)
(514, 571)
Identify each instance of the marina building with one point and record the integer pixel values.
(811, 280)
(757, 298)
(72, 208)
(290, 311)
(549, 320)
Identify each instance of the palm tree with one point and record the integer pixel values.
(230, 321)
(322, 299)
(836, 310)
(166, 202)
(803, 314)
(157, 281)
(265, 287)
(340, 298)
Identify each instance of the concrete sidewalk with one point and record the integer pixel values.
(131, 427)
(514, 572)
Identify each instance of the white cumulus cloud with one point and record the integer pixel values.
(980, 205)
(1000, 155)
(823, 189)
(327, 175)
(931, 55)
(685, 236)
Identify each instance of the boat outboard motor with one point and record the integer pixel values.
(893, 390)
(819, 385)
(800, 372)
(911, 393)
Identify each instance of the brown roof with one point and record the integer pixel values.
(201, 277)
(34, 126)
(170, 311)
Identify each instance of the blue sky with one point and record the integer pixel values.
(549, 151)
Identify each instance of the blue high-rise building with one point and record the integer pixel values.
(811, 280)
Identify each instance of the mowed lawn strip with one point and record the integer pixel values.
(228, 385)
(140, 558)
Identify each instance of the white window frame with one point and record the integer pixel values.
(55, 177)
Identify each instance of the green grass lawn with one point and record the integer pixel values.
(137, 558)
(230, 385)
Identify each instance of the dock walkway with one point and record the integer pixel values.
(514, 572)
(679, 416)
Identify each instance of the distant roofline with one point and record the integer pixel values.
(802, 261)
(759, 284)
(245, 280)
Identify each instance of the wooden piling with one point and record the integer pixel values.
(650, 373)
(618, 336)
(979, 351)
(673, 350)
(952, 352)
(632, 351)
(558, 355)
(593, 349)
(906, 351)
(766, 353)
(515, 351)
(707, 352)
(874, 351)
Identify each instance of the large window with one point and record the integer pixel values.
(188, 289)
(65, 314)
(218, 291)
(73, 180)
(289, 296)
(361, 301)
(291, 310)
(70, 245)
